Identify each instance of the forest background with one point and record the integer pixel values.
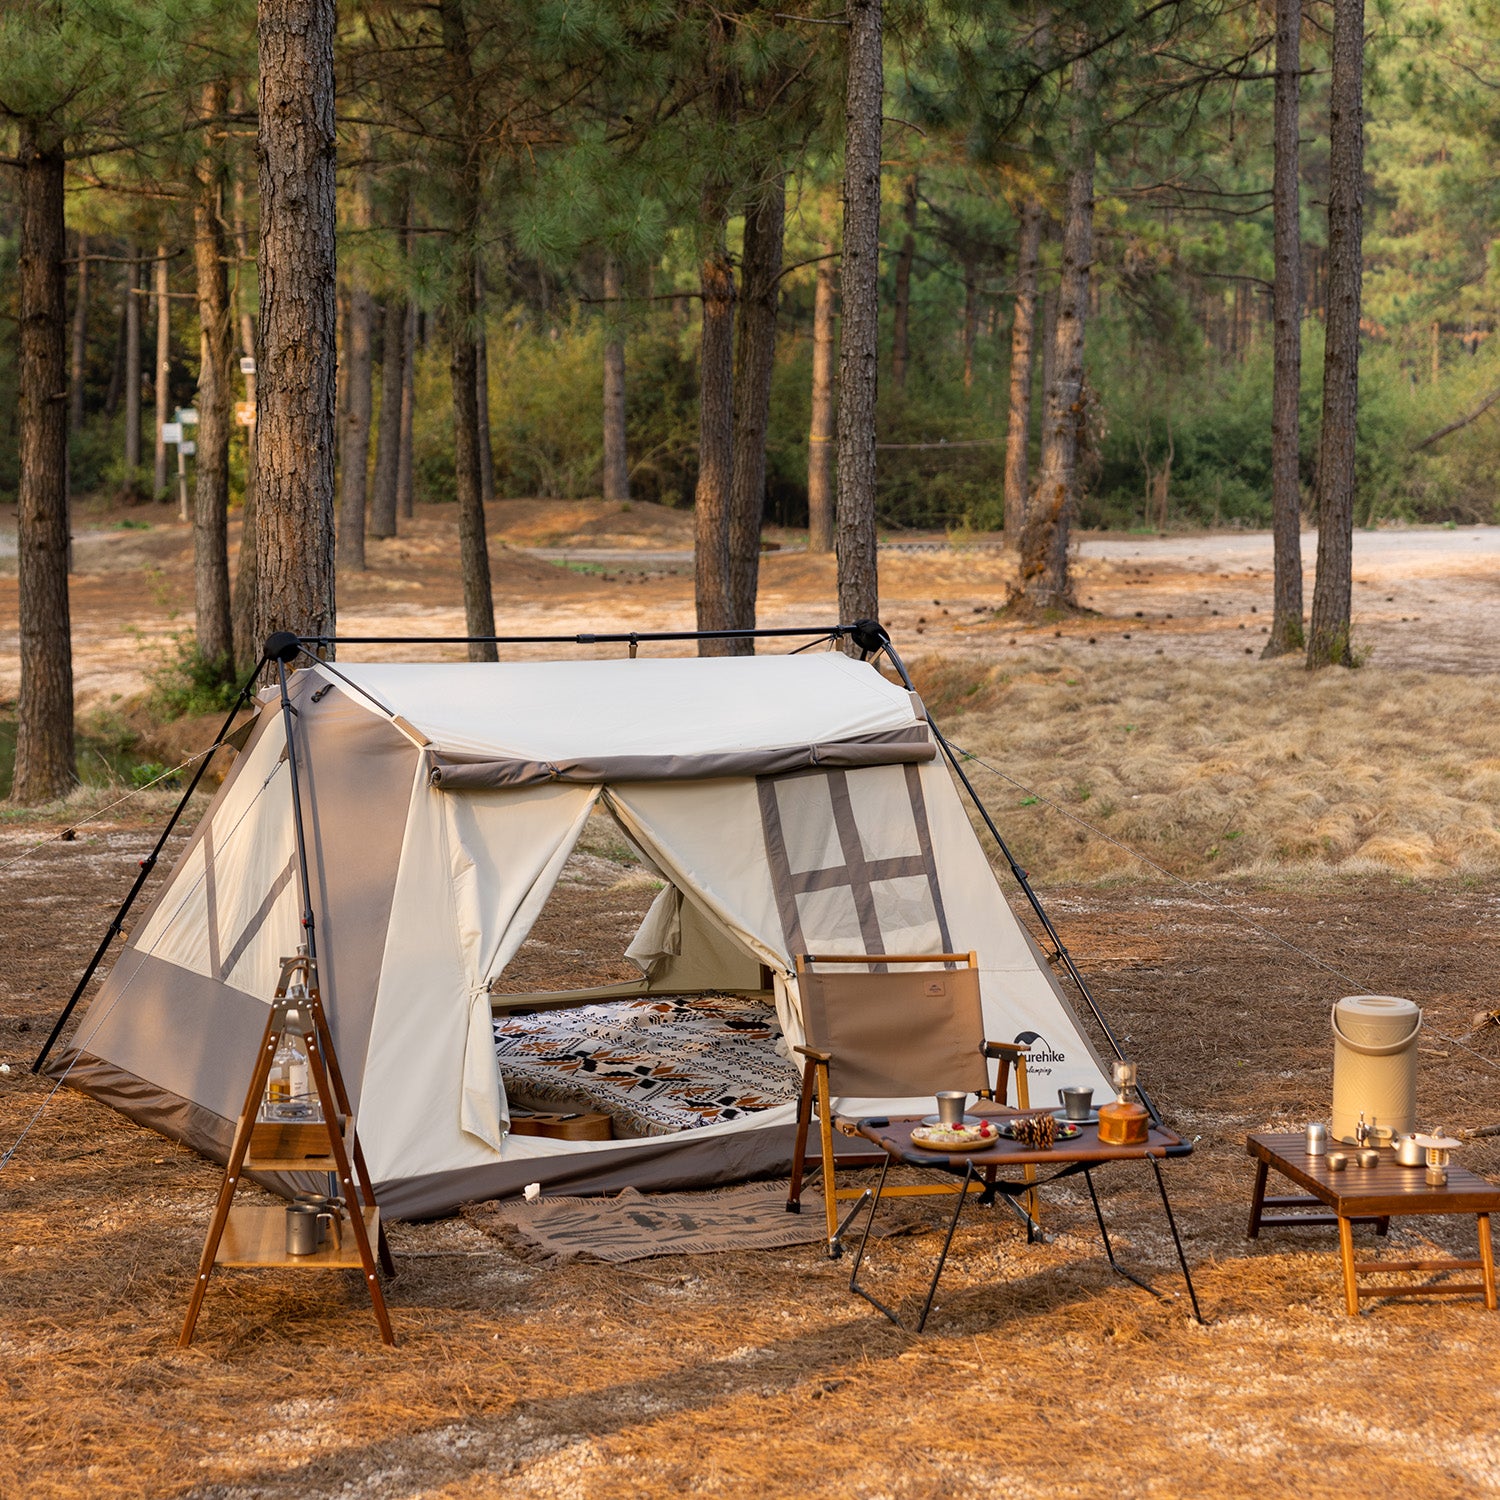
(1179, 347)
(561, 212)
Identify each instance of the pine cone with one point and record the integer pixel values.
(1038, 1131)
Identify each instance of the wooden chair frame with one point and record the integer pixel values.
(815, 1092)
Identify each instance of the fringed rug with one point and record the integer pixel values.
(633, 1226)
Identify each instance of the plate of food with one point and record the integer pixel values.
(966, 1137)
(1038, 1130)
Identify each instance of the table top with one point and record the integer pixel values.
(893, 1135)
(1388, 1188)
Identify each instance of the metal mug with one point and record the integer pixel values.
(325, 1205)
(1337, 1160)
(950, 1106)
(304, 1226)
(1076, 1102)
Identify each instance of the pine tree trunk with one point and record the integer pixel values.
(80, 339)
(214, 619)
(1328, 641)
(163, 372)
(1022, 349)
(295, 436)
(474, 559)
(44, 732)
(1044, 582)
(754, 364)
(482, 391)
(859, 592)
(821, 435)
(715, 438)
(616, 480)
(117, 364)
(901, 313)
(405, 499)
(1286, 382)
(245, 587)
(388, 441)
(1049, 349)
(359, 400)
(132, 364)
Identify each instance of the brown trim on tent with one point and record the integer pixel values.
(654, 1164)
(889, 747)
(357, 773)
(657, 1164)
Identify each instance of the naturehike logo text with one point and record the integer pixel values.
(1039, 1049)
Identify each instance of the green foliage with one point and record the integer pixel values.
(184, 684)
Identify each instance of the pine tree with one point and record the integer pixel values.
(294, 530)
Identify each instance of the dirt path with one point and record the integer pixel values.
(1424, 599)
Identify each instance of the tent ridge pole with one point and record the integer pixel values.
(144, 873)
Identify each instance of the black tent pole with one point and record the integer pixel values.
(1015, 869)
(284, 647)
(144, 874)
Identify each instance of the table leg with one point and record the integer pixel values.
(1258, 1199)
(1346, 1255)
(1487, 1261)
(1166, 1203)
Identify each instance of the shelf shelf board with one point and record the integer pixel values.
(256, 1236)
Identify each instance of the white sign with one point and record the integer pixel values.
(171, 432)
(188, 416)
(247, 365)
(188, 449)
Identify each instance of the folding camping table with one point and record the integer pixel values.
(1069, 1158)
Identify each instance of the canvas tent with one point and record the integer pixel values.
(788, 804)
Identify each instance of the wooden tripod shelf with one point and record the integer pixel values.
(256, 1236)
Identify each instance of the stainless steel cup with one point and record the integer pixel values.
(330, 1214)
(1337, 1161)
(1076, 1102)
(1317, 1138)
(304, 1228)
(950, 1106)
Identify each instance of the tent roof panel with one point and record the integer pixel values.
(679, 706)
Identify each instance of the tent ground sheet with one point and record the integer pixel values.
(655, 1065)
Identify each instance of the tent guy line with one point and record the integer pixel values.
(1202, 890)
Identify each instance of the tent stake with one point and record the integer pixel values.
(144, 874)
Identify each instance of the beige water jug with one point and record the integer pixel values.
(1374, 1064)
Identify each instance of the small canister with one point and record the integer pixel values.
(1317, 1138)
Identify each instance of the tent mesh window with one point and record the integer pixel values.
(862, 880)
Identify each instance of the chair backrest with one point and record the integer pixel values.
(914, 1029)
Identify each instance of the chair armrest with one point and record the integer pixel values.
(814, 1054)
(1004, 1049)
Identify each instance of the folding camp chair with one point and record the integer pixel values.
(902, 1033)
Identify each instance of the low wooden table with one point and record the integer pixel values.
(1373, 1194)
(1070, 1158)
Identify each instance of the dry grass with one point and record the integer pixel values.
(758, 1374)
(1212, 772)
